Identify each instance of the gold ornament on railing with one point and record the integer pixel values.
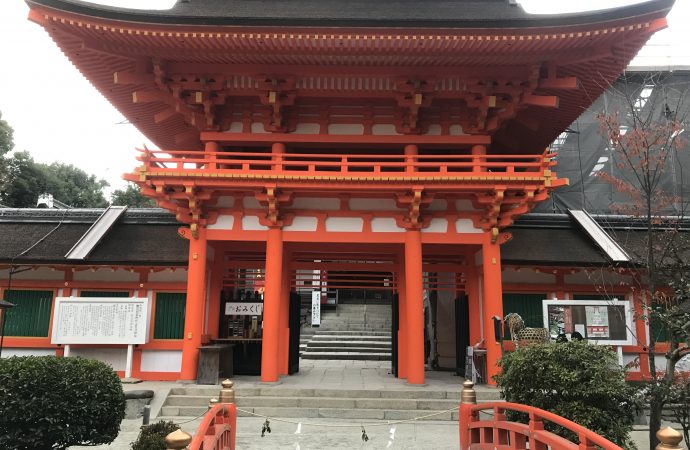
(178, 440)
(669, 438)
(227, 393)
(468, 395)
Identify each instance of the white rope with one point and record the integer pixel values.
(351, 425)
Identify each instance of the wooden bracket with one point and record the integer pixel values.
(272, 198)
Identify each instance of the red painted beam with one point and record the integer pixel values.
(350, 141)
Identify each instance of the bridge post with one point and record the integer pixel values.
(177, 440)
(468, 398)
(669, 439)
(227, 393)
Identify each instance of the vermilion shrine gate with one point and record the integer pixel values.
(389, 137)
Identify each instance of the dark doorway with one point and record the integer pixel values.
(295, 331)
(395, 326)
(462, 333)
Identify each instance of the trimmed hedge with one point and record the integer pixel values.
(54, 403)
(579, 381)
(152, 437)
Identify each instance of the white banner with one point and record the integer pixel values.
(243, 309)
(102, 320)
(316, 308)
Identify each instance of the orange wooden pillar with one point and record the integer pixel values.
(402, 323)
(194, 309)
(641, 324)
(472, 292)
(272, 299)
(284, 323)
(415, 306)
(215, 289)
(492, 302)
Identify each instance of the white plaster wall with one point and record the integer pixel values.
(464, 205)
(42, 273)
(347, 224)
(385, 225)
(224, 222)
(168, 276)
(434, 130)
(251, 203)
(351, 129)
(316, 203)
(235, 127)
(307, 128)
(161, 361)
(373, 204)
(225, 201)
(384, 129)
(302, 223)
(438, 204)
(466, 226)
(106, 275)
(628, 358)
(7, 352)
(527, 275)
(115, 357)
(456, 130)
(437, 225)
(251, 223)
(258, 127)
(595, 278)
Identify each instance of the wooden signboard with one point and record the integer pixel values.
(605, 322)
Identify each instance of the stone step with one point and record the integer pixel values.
(282, 391)
(356, 333)
(349, 338)
(358, 344)
(321, 402)
(312, 350)
(187, 413)
(354, 356)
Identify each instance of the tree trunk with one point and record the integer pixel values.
(655, 408)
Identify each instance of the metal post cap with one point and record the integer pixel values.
(468, 394)
(669, 439)
(178, 440)
(227, 394)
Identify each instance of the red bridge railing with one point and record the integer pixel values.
(351, 165)
(217, 430)
(497, 433)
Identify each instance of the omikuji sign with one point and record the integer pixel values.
(100, 320)
(243, 309)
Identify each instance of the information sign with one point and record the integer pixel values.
(81, 320)
(605, 322)
(243, 309)
(316, 308)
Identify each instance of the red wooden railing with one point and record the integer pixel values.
(497, 433)
(217, 430)
(351, 165)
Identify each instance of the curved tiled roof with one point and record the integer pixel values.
(149, 237)
(355, 13)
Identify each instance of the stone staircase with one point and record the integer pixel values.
(350, 332)
(280, 401)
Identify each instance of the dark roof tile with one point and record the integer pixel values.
(357, 13)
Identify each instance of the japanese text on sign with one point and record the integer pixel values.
(244, 309)
(100, 321)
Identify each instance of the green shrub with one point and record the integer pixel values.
(576, 380)
(152, 437)
(53, 403)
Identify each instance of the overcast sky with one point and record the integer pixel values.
(58, 116)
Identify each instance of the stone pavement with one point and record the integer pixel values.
(329, 433)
